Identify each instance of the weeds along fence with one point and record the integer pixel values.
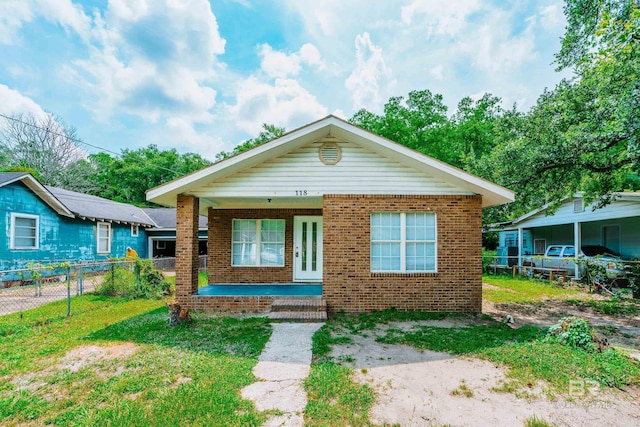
(39, 284)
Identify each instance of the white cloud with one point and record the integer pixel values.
(440, 17)
(284, 103)
(436, 72)
(158, 63)
(552, 17)
(278, 64)
(12, 14)
(309, 54)
(13, 102)
(369, 74)
(180, 132)
(494, 49)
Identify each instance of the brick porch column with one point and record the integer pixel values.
(186, 248)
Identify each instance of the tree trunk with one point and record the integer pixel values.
(177, 315)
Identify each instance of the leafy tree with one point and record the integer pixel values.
(42, 143)
(584, 134)
(417, 122)
(268, 133)
(127, 178)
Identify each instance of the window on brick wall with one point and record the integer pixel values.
(403, 242)
(258, 242)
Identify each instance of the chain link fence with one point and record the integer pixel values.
(39, 284)
(169, 263)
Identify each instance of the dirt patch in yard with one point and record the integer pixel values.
(82, 356)
(622, 332)
(425, 388)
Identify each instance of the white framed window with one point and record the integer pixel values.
(403, 242)
(161, 244)
(257, 242)
(25, 231)
(104, 237)
(135, 229)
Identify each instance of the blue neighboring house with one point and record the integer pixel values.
(48, 224)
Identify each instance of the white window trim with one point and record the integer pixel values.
(135, 230)
(403, 245)
(161, 244)
(98, 238)
(258, 242)
(13, 227)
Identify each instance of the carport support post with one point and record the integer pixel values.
(186, 247)
(577, 244)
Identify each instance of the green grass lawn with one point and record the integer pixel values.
(522, 290)
(187, 375)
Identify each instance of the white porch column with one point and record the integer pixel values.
(577, 243)
(520, 245)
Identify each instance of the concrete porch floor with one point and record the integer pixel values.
(262, 289)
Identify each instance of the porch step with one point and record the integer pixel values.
(299, 310)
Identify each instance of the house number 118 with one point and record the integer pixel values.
(301, 192)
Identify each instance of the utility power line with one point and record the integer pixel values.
(78, 141)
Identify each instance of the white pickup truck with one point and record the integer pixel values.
(563, 257)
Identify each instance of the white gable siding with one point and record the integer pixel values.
(359, 171)
(566, 215)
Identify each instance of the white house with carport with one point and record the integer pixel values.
(615, 226)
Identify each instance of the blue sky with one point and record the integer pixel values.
(203, 76)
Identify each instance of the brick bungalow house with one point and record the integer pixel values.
(331, 209)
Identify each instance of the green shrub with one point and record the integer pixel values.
(574, 332)
(138, 280)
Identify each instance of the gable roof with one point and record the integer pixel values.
(165, 218)
(492, 194)
(34, 185)
(97, 208)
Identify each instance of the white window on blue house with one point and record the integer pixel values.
(135, 229)
(403, 242)
(24, 231)
(257, 242)
(104, 237)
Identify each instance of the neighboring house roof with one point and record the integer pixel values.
(40, 190)
(165, 218)
(425, 174)
(97, 208)
(623, 205)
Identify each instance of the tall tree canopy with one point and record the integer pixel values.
(584, 134)
(127, 177)
(269, 132)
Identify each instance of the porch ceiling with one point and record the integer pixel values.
(309, 202)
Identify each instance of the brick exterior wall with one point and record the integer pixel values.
(348, 283)
(186, 248)
(219, 255)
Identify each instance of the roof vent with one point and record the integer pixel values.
(330, 153)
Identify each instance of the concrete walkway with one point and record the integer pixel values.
(282, 367)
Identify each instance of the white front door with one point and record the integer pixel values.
(307, 248)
